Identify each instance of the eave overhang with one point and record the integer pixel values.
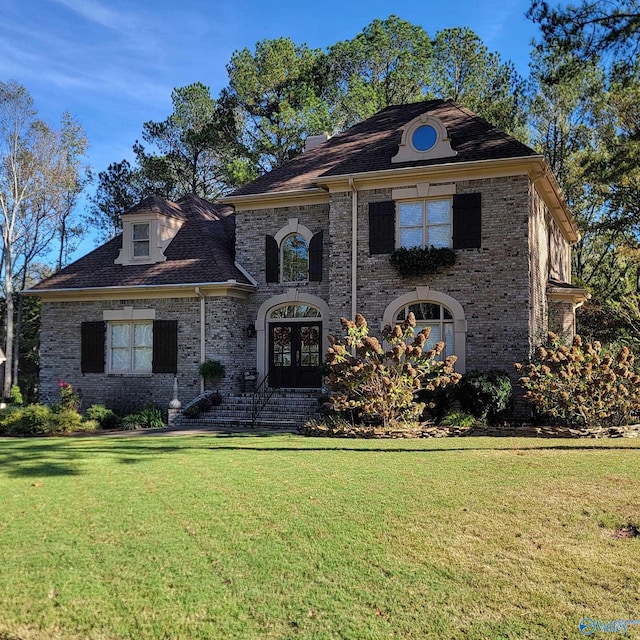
(275, 199)
(568, 293)
(535, 167)
(229, 288)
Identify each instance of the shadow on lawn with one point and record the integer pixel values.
(38, 458)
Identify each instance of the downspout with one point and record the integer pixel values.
(354, 249)
(202, 333)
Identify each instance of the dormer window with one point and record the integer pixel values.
(140, 240)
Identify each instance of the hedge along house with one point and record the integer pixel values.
(311, 243)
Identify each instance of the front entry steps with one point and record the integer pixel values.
(286, 409)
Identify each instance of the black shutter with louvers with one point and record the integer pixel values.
(382, 227)
(467, 221)
(165, 346)
(271, 257)
(92, 347)
(315, 258)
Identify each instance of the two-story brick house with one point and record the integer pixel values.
(260, 279)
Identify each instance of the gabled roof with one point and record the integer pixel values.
(201, 252)
(369, 146)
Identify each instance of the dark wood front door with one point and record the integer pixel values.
(294, 354)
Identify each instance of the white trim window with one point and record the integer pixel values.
(425, 223)
(438, 318)
(130, 347)
(140, 235)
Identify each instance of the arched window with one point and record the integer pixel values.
(435, 316)
(294, 312)
(295, 258)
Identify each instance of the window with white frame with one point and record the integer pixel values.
(140, 239)
(130, 347)
(295, 258)
(435, 316)
(425, 223)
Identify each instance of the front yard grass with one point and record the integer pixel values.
(204, 537)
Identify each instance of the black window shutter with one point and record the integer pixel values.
(92, 347)
(382, 227)
(467, 221)
(271, 252)
(315, 257)
(165, 346)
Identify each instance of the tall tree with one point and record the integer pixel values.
(590, 29)
(192, 146)
(32, 168)
(463, 69)
(77, 175)
(388, 63)
(120, 187)
(275, 93)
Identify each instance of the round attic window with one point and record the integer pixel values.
(424, 138)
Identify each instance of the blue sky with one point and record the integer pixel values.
(114, 63)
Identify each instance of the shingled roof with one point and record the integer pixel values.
(201, 252)
(369, 146)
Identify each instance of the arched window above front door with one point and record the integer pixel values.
(294, 311)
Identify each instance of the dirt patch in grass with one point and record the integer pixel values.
(626, 532)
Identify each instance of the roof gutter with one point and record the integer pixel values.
(147, 289)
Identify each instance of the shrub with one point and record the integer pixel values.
(16, 395)
(65, 420)
(487, 395)
(420, 261)
(212, 370)
(459, 419)
(438, 402)
(32, 420)
(147, 417)
(105, 418)
(69, 399)
(90, 425)
(582, 384)
(374, 384)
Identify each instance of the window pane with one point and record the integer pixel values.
(295, 311)
(448, 339)
(446, 314)
(120, 359)
(425, 311)
(140, 231)
(411, 237)
(438, 212)
(142, 357)
(295, 259)
(142, 335)
(439, 236)
(411, 214)
(140, 248)
(120, 335)
(434, 336)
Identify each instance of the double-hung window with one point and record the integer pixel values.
(130, 347)
(425, 223)
(140, 240)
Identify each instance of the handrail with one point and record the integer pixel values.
(261, 396)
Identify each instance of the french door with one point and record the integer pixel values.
(295, 354)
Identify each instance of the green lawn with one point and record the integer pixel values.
(288, 537)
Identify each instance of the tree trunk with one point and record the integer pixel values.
(8, 289)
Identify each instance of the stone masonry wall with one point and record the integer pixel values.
(491, 283)
(60, 352)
